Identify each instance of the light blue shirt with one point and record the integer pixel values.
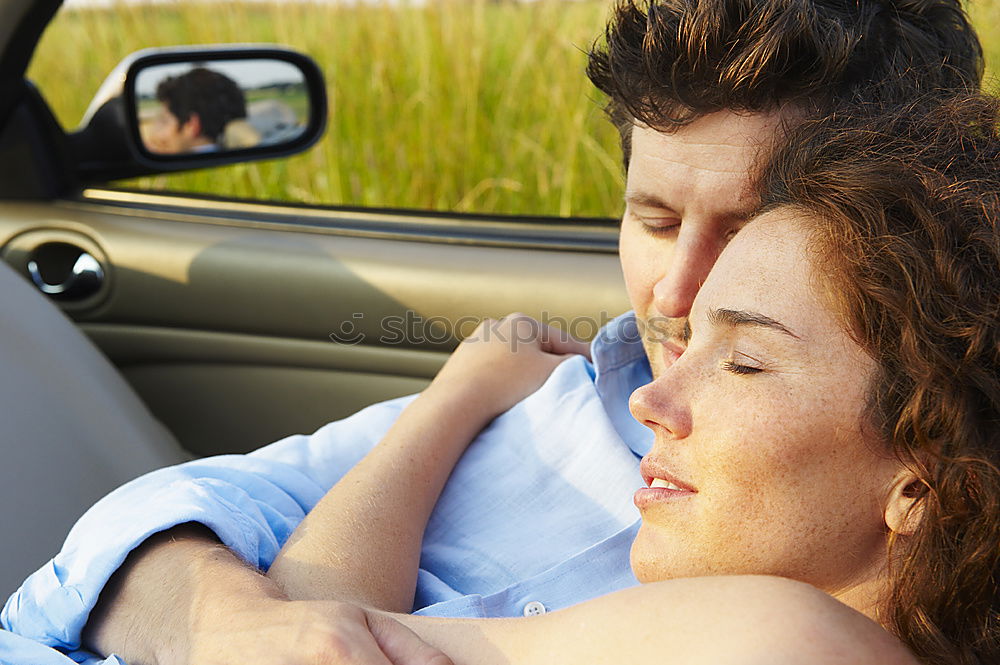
(538, 510)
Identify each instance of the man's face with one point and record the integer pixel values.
(686, 195)
(167, 135)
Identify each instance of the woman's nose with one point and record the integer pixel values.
(661, 405)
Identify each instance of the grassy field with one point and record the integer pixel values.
(465, 105)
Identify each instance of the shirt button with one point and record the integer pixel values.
(534, 609)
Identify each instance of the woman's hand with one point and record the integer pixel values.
(502, 362)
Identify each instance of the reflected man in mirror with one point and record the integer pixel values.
(199, 111)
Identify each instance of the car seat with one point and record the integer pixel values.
(74, 429)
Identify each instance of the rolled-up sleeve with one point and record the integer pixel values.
(251, 502)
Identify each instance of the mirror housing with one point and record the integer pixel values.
(264, 101)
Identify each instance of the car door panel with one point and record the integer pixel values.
(227, 392)
(240, 323)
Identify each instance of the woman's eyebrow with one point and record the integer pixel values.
(737, 317)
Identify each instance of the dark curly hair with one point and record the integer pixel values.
(904, 208)
(213, 96)
(667, 62)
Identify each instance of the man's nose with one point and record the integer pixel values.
(676, 289)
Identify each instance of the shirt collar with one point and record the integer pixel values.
(621, 366)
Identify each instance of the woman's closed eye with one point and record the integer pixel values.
(742, 364)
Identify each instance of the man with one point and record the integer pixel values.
(194, 110)
(538, 513)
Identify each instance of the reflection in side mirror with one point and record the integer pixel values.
(174, 109)
(220, 106)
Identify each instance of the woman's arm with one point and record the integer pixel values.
(361, 543)
(724, 620)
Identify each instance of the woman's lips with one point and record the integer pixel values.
(660, 485)
(646, 497)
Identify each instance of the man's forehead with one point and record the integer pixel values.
(718, 131)
(703, 167)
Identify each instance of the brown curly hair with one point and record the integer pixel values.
(905, 210)
(667, 62)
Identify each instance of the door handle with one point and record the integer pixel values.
(82, 279)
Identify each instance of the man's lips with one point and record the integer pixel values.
(672, 350)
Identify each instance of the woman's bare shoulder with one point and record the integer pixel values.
(773, 620)
(751, 620)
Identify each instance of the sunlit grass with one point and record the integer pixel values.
(985, 15)
(466, 105)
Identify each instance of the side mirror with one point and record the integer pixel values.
(164, 110)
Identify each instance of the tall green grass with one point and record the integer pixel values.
(466, 105)
(461, 105)
(985, 15)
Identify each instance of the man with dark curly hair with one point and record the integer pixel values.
(536, 516)
(195, 108)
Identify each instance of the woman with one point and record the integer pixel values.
(824, 486)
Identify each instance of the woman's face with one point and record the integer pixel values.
(759, 425)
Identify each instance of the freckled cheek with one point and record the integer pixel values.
(802, 473)
(759, 448)
(774, 467)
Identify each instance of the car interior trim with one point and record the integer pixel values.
(587, 235)
(133, 345)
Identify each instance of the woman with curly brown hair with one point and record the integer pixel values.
(903, 212)
(834, 421)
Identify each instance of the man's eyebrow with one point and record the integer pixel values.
(648, 200)
(738, 317)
